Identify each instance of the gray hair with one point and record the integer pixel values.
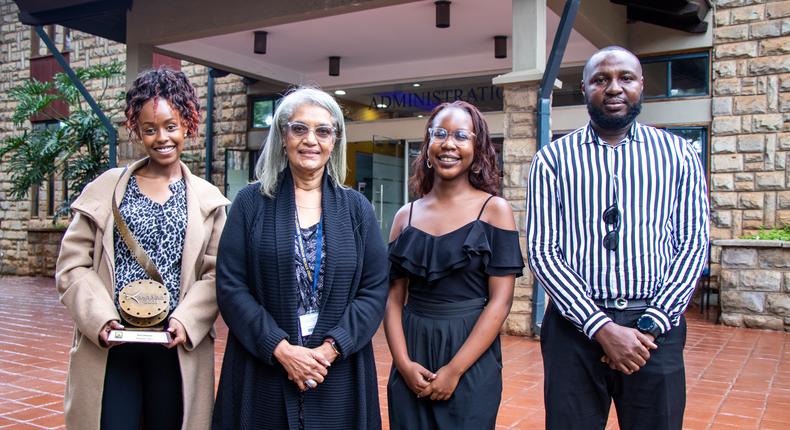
(273, 158)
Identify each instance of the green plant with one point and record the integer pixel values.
(771, 234)
(77, 148)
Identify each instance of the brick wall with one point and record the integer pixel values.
(23, 244)
(751, 110)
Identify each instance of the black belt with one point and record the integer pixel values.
(621, 304)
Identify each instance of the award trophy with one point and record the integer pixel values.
(144, 306)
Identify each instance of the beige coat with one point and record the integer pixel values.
(85, 282)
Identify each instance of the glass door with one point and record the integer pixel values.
(388, 180)
(377, 170)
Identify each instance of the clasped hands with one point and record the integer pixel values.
(305, 364)
(625, 349)
(424, 383)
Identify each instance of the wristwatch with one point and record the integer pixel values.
(648, 325)
(333, 344)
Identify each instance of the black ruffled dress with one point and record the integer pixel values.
(448, 289)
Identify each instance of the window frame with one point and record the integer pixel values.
(675, 57)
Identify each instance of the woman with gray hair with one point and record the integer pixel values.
(301, 283)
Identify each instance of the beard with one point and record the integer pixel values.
(609, 122)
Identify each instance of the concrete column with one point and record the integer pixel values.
(139, 56)
(529, 42)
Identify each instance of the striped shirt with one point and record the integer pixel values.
(657, 181)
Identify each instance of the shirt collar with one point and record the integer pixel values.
(634, 134)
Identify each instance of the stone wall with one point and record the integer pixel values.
(519, 147)
(751, 109)
(43, 244)
(18, 226)
(755, 284)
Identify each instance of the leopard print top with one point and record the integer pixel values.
(160, 230)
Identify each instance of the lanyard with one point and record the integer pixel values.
(319, 244)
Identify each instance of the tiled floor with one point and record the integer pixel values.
(736, 378)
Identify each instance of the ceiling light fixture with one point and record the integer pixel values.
(500, 46)
(259, 46)
(416, 84)
(340, 92)
(381, 106)
(334, 66)
(442, 13)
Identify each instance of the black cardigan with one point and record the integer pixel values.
(256, 294)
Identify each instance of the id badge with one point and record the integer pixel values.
(307, 323)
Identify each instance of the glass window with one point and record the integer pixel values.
(689, 77)
(698, 136)
(570, 94)
(671, 76)
(262, 111)
(655, 76)
(676, 76)
(239, 170)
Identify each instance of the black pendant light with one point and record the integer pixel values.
(500, 46)
(442, 13)
(334, 66)
(259, 46)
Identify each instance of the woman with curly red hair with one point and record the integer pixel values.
(454, 255)
(175, 219)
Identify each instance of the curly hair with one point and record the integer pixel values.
(170, 85)
(484, 171)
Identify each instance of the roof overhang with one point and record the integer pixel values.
(104, 18)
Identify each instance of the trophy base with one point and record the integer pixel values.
(139, 336)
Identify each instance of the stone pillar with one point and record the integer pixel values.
(750, 144)
(519, 147)
(521, 99)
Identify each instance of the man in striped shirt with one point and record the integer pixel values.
(617, 234)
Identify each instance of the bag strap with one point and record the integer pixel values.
(139, 253)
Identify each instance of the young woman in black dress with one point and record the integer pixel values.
(455, 255)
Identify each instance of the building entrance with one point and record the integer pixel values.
(378, 170)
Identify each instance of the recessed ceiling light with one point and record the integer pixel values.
(416, 84)
(340, 92)
(381, 106)
(420, 116)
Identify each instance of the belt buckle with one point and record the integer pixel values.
(620, 303)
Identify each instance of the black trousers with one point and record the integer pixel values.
(579, 389)
(142, 388)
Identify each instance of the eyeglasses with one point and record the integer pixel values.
(300, 129)
(461, 137)
(611, 216)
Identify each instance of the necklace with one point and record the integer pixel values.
(308, 207)
(308, 189)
